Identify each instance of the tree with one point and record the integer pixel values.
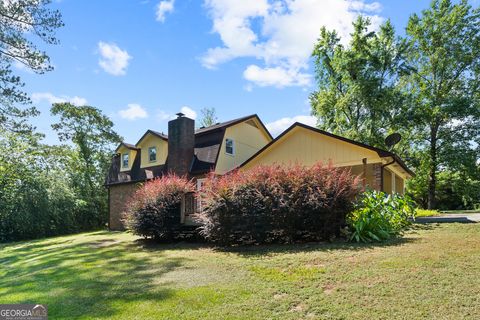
(21, 21)
(444, 53)
(93, 136)
(358, 95)
(209, 117)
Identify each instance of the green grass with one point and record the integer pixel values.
(433, 272)
(426, 213)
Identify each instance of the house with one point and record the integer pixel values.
(242, 143)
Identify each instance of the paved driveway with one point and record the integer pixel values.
(458, 217)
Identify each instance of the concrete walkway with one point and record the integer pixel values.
(449, 218)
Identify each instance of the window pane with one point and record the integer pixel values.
(125, 160)
(152, 154)
(229, 146)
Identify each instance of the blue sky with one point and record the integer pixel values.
(143, 61)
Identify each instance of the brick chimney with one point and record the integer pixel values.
(181, 141)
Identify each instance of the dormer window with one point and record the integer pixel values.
(229, 147)
(152, 154)
(125, 160)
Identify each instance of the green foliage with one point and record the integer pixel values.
(93, 136)
(154, 209)
(51, 190)
(378, 216)
(358, 95)
(455, 190)
(209, 117)
(277, 204)
(36, 196)
(444, 52)
(21, 22)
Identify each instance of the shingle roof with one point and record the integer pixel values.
(155, 133)
(115, 176)
(207, 147)
(225, 124)
(126, 145)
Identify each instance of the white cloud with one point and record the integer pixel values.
(51, 98)
(189, 113)
(280, 33)
(113, 59)
(163, 8)
(278, 126)
(162, 116)
(277, 76)
(134, 111)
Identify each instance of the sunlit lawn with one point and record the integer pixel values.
(433, 273)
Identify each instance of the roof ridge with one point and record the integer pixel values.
(224, 123)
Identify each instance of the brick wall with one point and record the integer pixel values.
(377, 177)
(118, 196)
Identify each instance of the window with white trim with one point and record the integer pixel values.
(152, 154)
(229, 146)
(125, 160)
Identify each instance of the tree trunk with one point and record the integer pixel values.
(432, 181)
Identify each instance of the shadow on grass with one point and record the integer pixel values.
(339, 245)
(264, 249)
(88, 279)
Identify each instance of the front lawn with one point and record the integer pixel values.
(433, 272)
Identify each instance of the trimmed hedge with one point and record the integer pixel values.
(154, 209)
(277, 204)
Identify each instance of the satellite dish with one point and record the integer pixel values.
(393, 139)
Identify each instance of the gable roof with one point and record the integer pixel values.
(226, 124)
(126, 145)
(155, 133)
(381, 153)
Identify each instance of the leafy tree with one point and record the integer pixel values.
(209, 117)
(444, 53)
(93, 136)
(21, 21)
(358, 94)
(36, 198)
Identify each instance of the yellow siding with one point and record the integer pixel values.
(131, 157)
(307, 147)
(399, 184)
(387, 181)
(247, 140)
(162, 150)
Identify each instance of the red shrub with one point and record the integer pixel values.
(277, 204)
(154, 209)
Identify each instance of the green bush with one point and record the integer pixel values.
(277, 204)
(378, 216)
(154, 209)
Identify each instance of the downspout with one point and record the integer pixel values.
(381, 171)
